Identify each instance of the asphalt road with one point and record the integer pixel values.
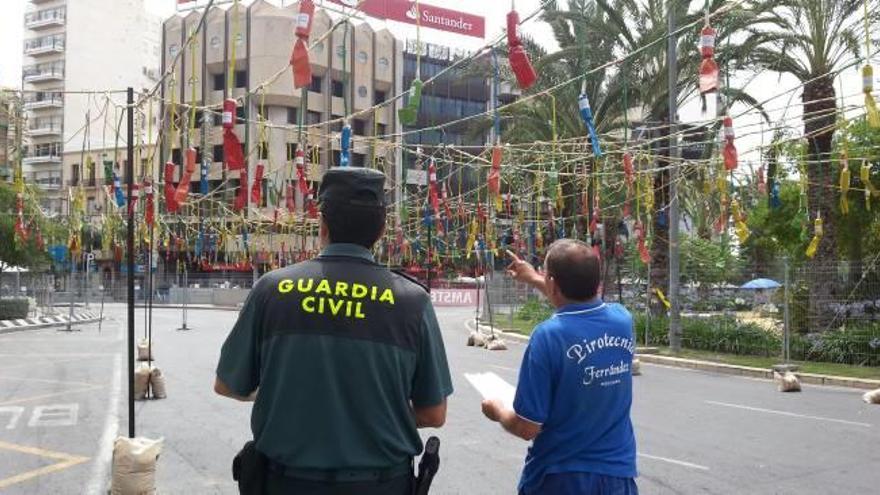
(62, 401)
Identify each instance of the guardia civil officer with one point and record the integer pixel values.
(342, 357)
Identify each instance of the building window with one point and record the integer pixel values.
(358, 160)
(240, 115)
(362, 91)
(219, 81)
(317, 84)
(379, 97)
(175, 155)
(241, 77)
(292, 115)
(362, 57)
(338, 88)
(291, 151)
(336, 126)
(359, 127)
(381, 129)
(74, 174)
(313, 117)
(218, 152)
(263, 150)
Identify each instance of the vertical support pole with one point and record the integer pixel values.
(129, 179)
(674, 275)
(786, 336)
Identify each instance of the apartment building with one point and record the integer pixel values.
(353, 69)
(74, 51)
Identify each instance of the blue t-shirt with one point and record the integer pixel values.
(575, 381)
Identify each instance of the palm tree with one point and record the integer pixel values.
(641, 27)
(813, 40)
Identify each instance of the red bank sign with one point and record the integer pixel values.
(432, 17)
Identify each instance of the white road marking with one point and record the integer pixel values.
(785, 413)
(505, 368)
(14, 412)
(491, 385)
(101, 465)
(674, 461)
(54, 415)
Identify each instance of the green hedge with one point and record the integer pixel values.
(856, 345)
(13, 309)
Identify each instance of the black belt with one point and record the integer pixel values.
(342, 475)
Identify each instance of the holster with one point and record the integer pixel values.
(249, 470)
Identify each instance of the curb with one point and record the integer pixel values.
(732, 369)
(649, 355)
(21, 325)
(191, 306)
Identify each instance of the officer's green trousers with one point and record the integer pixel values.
(278, 484)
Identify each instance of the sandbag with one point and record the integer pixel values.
(141, 381)
(636, 367)
(496, 345)
(477, 339)
(134, 466)
(144, 351)
(872, 397)
(787, 382)
(157, 383)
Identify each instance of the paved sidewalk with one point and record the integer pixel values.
(79, 317)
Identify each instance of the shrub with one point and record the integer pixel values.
(534, 311)
(13, 309)
(858, 345)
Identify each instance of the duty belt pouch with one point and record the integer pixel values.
(249, 470)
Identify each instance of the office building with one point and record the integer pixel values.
(353, 69)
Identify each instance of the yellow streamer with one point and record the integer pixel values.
(817, 236)
(662, 297)
(742, 230)
(844, 184)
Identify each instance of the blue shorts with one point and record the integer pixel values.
(584, 484)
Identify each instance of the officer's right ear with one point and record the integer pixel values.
(323, 231)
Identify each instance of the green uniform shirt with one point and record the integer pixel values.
(339, 347)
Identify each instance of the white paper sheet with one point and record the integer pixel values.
(492, 386)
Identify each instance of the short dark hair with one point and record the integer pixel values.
(575, 268)
(360, 225)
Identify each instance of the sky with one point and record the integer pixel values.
(763, 86)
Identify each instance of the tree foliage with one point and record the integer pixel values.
(12, 251)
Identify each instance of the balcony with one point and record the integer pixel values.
(90, 182)
(46, 103)
(45, 75)
(44, 18)
(43, 158)
(45, 182)
(56, 46)
(47, 129)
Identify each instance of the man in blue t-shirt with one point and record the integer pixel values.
(575, 386)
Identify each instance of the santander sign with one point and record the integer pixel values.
(431, 17)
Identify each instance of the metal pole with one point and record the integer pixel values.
(674, 254)
(648, 307)
(786, 351)
(129, 179)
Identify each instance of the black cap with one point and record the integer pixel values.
(353, 186)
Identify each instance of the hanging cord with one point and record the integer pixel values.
(192, 81)
(495, 85)
(230, 75)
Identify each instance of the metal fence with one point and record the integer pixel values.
(830, 314)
